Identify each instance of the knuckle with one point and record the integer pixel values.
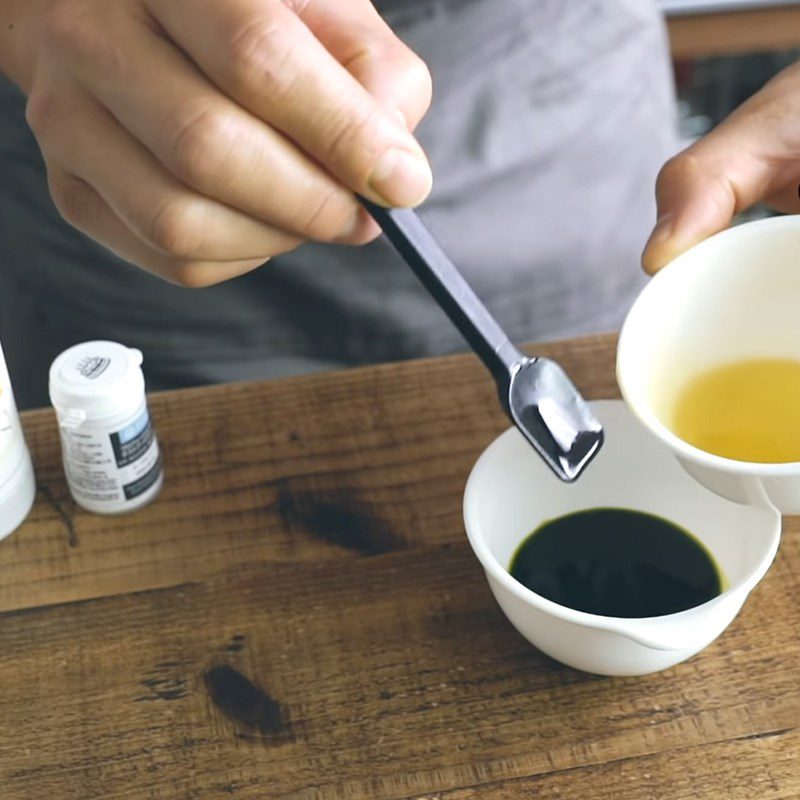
(675, 168)
(259, 51)
(689, 174)
(200, 146)
(72, 199)
(44, 114)
(401, 68)
(326, 217)
(66, 27)
(175, 229)
(418, 78)
(70, 30)
(352, 133)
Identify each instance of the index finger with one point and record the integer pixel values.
(262, 55)
(361, 41)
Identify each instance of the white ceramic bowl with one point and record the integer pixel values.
(734, 296)
(510, 493)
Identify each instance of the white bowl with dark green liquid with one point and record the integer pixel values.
(594, 612)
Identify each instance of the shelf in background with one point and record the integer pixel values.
(698, 33)
(684, 7)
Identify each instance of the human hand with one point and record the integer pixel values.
(198, 138)
(753, 156)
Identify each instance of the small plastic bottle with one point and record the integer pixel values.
(110, 451)
(17, 483)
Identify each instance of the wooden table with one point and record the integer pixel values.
(299, 617)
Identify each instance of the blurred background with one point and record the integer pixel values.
(528, 150)
(725, 50)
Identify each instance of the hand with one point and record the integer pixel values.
(754, 155)
(198, 138)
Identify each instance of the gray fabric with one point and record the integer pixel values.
(549, 122)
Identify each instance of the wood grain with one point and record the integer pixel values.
(326, 466)
(299, 617)
(387, 677)
(732, 32)
(763, 766)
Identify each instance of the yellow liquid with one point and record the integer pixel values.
(747, 411)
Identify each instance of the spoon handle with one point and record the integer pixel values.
(404, 229)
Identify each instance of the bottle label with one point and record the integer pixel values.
(114, 467)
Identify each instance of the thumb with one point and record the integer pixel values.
(358, 38)
(698, 192)
(753, 155)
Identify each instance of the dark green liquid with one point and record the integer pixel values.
(618, 563)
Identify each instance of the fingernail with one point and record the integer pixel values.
(402, 178)
(653, 256)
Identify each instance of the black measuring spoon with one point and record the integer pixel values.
(535, 392)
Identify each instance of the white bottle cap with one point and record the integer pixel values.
(94, 379)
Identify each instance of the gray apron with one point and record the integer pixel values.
(549, 123)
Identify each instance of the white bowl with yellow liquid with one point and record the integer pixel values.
(511, 493)
(733, 298)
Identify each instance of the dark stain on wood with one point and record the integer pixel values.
(247, 704)
(62, 514)
(163, 689)
(236, 644)
(337, 517)
(165, 682)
